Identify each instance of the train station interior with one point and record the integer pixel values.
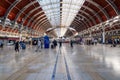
(59, 39)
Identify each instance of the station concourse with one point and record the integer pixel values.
(60, 39)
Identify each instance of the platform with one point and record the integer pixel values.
(81, 62)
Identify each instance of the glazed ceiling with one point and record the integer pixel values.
(37, 16)
(61, 15)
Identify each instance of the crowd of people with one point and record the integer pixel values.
(54, 43)
(113, 42)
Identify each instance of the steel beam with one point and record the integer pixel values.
(89, 16)
(36, 18)
(82, 22)
(43, 26)
(30, 14)
(99, 7)
(40, 23)
(114, 6)
(41, 20)
(85, 19)
(94, 12)
(22, 10)
(10, 9)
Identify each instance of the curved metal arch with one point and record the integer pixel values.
(89, 16)
(10, 9)
(36, 18)
(82, 22)
(47, 17)
(85, 19)
(41, 26)
(86, 7)
(78, 24)
(44, 27)
(41, 23)
(31, 12)
(114, 6)
(30, 20)
(35, 26)
(23, 9)
(40, 20)
(88, 20)
(99, 7)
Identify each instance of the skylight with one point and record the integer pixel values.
(52, 10)
(69, 10)
(60, 31)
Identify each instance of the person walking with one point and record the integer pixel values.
(38, 46)
(17, 46)
(60, 42)
(42, 42)
(54, 43)
(71, 43)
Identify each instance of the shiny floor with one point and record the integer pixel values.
(81, 62)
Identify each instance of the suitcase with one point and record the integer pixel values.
(23, 46)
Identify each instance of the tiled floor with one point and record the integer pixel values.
(81, 62)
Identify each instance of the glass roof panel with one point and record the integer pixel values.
(70, 9)
(60, 31)
(52, 10)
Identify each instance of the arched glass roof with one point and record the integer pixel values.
(52, 10)
(37, 16)
(61, 12)
(69, 10)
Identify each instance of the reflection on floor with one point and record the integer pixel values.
(81, 62)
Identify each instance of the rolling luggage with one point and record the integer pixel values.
(23, 46)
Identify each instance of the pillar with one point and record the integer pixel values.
(103, 35)
(90, 34)
(20, 37)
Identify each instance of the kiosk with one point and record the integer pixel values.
(46, 42)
